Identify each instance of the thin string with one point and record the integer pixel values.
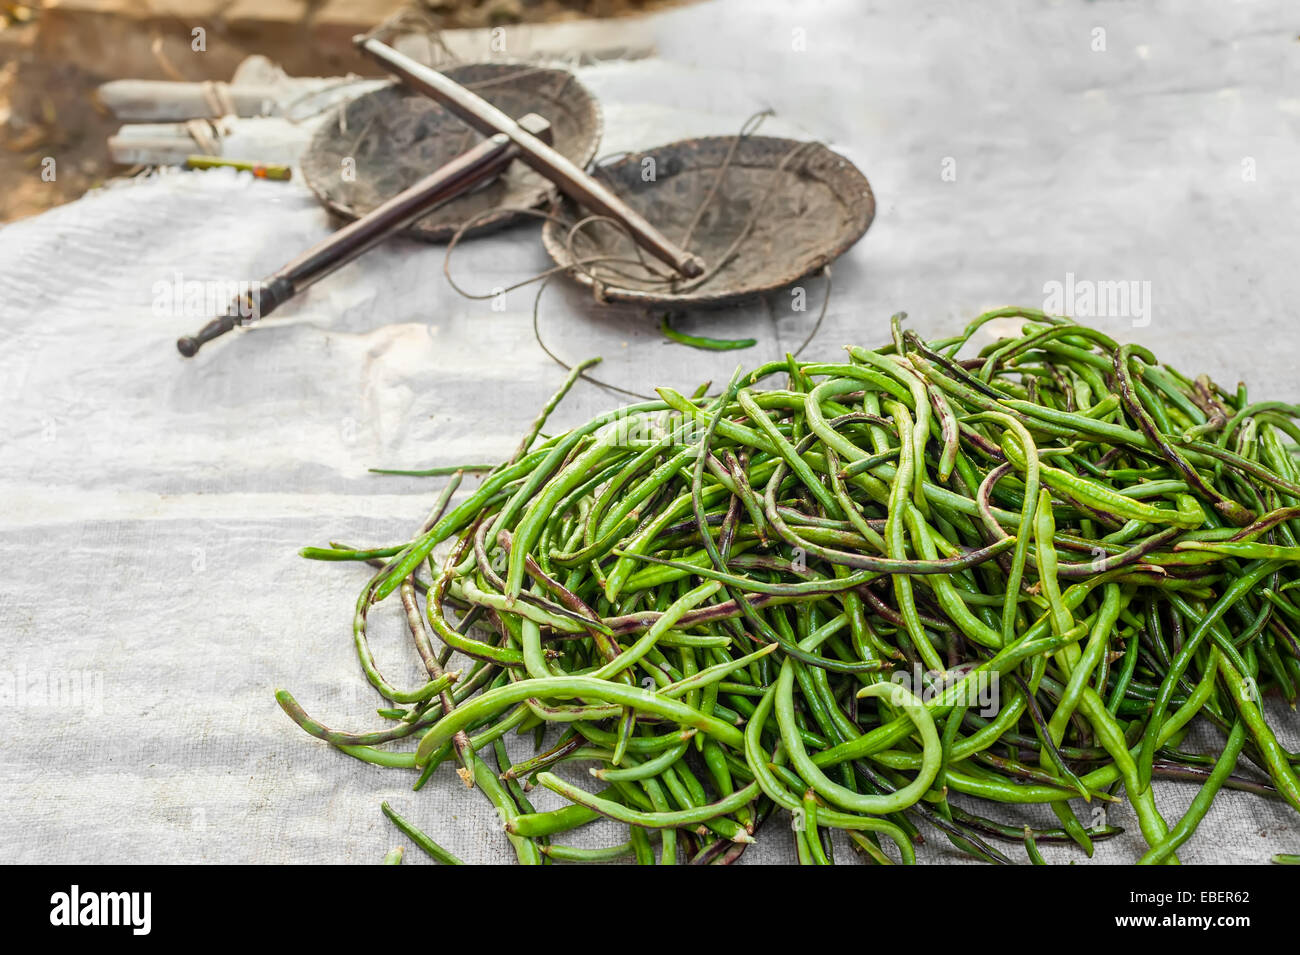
(585, 264)
(469, 223)
(725, 259)
(424, 20)
(748, 129)
(289, 111)
(468, 133)
(821, 314)
(591, 379)
(569, 246)
(674, 281)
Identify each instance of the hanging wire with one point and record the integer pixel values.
(603, 269)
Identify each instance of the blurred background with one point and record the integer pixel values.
(55, 53)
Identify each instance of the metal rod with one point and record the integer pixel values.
(475, 166)
(568, 178)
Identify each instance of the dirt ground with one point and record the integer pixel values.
(52, 136)
(53, 131)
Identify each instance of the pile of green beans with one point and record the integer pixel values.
(914, 590)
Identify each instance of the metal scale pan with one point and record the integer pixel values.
(387, 140)
(764, 212)
(396, 162)
(754, 213)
